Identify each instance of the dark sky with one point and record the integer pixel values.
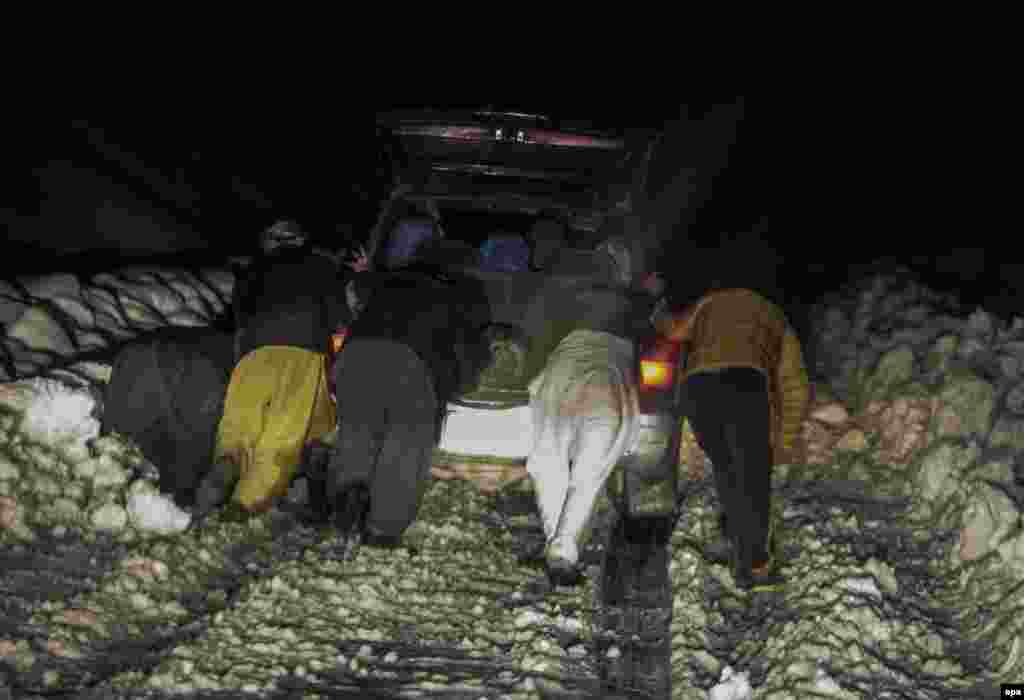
(184, 183)
(208, 181)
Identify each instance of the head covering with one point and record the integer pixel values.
(284, 233)
(505, 252)
(407, 239)
(654, 283)
(548, 237)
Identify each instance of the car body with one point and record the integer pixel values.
(513, 164)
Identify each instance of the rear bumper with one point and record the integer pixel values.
(643, 483)
(487, 431)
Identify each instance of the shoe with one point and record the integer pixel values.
(375, 538)
(719, 551)
(235, 513)
(215, 488)
(760, 578)
(316, 509)
(764, 579)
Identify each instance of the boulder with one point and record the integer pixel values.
(50, 286)
(1008, 432)
(103, 301)
(902, 426)
(109, 517)
(11, 306)
(831, 414)
(139, 314)
(940, 474)
(53, 414)
(39, 330)
(894, 368)
(1015, 400)
(76, 310)
(188, 317)
(151, 511)
(939, 357)
(221, 280)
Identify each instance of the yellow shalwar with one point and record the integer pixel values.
(277, 401)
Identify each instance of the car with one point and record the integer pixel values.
(485, 171)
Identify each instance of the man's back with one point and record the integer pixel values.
(437, 317)
(289, 299)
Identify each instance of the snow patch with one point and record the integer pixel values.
(825, 684)
(863, 585)
(38, 330)
(732, 686)
(150, 510)
(53, 413)
(488, 432)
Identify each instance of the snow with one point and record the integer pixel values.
(732, 686)
(51, 413)
(62, 417)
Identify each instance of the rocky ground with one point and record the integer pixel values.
(900, 531)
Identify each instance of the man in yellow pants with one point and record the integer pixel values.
(277, 401)
(289, 302)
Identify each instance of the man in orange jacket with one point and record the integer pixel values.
(746, 392)
(286, 305)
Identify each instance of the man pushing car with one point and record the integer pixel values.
(745, 393)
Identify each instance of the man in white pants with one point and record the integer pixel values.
(584, 409)
(584, 405)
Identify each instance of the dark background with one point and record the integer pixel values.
(90, 193)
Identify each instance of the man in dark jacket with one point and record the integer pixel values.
(286, 306)
(289, 295)
(166, 392)
(414, 346)
(746, 393)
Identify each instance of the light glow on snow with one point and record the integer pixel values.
(59, 415)
(488, 432)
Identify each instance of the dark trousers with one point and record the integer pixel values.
(729, 414)
(387, 428)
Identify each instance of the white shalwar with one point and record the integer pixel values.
(584, 405)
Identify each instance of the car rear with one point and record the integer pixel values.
(645, 481)
(467, 170)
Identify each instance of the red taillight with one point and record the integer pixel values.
(655, 374)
